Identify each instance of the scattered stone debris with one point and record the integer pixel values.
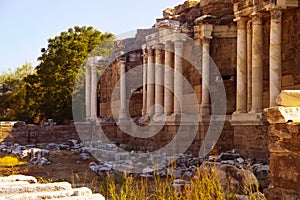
(235, 173)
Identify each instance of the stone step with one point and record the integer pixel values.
(25, 188)
(16, 189)
(13, 178)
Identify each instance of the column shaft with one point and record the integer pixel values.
(88, 91)
(169, 77)
(178, 82)
(150, 82)
(94, 83)
(249, 66)
(159, 80)
(145, 57)
(257, 64)
(241, 90)
(123, 99)
(275, 55)
(205, 105)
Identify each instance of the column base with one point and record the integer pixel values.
(123, 118)
(239, 118)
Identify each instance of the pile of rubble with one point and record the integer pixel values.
(17, 187)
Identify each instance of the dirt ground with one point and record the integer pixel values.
(65, 166)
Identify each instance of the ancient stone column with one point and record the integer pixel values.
(241, 86)
(205, 105)
(145, 58)
(159, 80)
(249, 65)
(178, 81)
(275, 55)
(88, 91)
(94, 83)
(257, 63)
(123, 99)
(150, 82)
(169, 78)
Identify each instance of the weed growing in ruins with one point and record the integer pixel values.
(10, 165)
(204, 185)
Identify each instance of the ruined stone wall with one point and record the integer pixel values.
(291, 49)
(252, 141)
(284, 161)
(32, 134)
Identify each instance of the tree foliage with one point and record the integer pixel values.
(49, 91)
(12, 93)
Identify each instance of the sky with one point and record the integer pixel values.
(26, 25)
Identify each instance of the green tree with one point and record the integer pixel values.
(49, 91)
(12, 93)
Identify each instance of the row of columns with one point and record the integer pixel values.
(157, 68)
(250, 61)
(163, 68)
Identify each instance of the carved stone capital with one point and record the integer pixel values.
(206, 40)
(179, 44)
(241, 22)
(276, 13)
(150, 51)
(169, 46)
(256, 18)
(249, 26)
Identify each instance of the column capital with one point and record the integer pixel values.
(150, 51)
(249, 26)
(206, 40)
(122, 59)
(159, 49)
(178, 44)
(241, 22)
(276, 13)
(256, 18)
(169, 46)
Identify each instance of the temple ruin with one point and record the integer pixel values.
(253, 44)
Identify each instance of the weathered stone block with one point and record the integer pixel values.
(289, 98)
(285, 171)
(281, 114)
